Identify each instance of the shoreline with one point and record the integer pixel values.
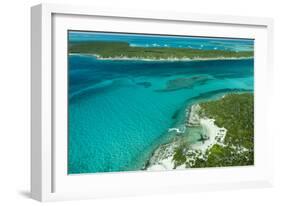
(98, 57)
(213, 133)
(162, 158)
(178, 153)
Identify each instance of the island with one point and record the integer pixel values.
(226, 128)
(123, 51)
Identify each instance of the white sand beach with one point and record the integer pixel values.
(163, 156)
(164, 164)
(213, 134)
(171, 59)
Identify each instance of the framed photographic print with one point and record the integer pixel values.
(134, 102)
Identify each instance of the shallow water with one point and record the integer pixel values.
(119, 111)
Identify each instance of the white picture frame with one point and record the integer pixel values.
(49, 180)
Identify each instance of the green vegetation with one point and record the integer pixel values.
(179, 155)
(235, 112)
(223, 156)
(123, 49)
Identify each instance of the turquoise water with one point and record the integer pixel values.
(120, 111)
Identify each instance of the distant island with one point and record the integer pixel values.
(123, 51)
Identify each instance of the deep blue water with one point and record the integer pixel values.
(166, 41)
(119, 111)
